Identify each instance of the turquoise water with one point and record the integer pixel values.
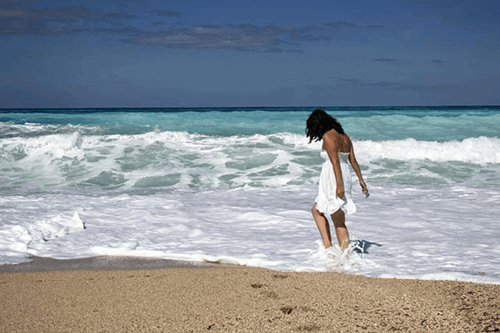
(150, 150)
(363, 123)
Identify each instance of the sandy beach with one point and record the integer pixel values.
(144, 295)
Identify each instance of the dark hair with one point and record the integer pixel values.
(320, 122)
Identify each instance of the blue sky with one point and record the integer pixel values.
(241, 53)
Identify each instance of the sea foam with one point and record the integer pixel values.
(403, 232)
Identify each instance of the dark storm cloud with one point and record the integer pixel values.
(207, 37)
(16, 20)
(24, 20)
(45, 21)
(246, 37)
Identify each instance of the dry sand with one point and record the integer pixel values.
(237, 299)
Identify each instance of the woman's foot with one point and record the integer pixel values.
(344, 244)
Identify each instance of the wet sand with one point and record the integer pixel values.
(109, 294)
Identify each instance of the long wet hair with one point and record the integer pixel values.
(320, 122)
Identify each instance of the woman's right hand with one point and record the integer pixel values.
(340, 192)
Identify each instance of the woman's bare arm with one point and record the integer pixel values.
(331, 145)
(356, 168)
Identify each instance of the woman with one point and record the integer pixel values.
(335, 182)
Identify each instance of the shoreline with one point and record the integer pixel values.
(110, 263)
(118, 294)
(97, 263)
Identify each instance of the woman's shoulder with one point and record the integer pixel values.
(342, 142)
(333, 140)
(348, 142)
(348, 139)
(331, 134)
(334, 135)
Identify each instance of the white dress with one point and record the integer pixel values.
(327, 201)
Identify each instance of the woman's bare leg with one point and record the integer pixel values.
(323, 226)
(338, 219)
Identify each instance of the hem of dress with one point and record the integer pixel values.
(347, 206)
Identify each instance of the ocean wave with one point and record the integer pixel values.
(481, 150)
(34, 130)
(438, 127)
(160, 160)
(429, 124)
